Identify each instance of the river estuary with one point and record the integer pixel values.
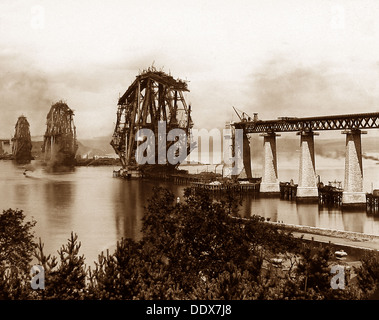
(102, 209)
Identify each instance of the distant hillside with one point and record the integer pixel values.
(89, 150)
(329, 148)
(99, 145)
(90, 147)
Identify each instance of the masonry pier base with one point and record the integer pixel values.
(353, 195)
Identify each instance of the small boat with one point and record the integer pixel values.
(340, 254)
(30, 174)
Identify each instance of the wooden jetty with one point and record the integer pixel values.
(205, 181)
(372, 202)
(187, 179)
(181, 177)
(239, 187)
(246, 187)
(288, 190)
(327, 194)
(331, 194)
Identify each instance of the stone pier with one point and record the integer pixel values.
(270, 182)
(307, 189)
(353, 195)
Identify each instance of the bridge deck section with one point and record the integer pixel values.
(292, 124)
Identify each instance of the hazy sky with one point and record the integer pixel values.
(277, 58)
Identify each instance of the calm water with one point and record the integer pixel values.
(102, 209)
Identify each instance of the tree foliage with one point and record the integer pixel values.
(198, 248)
(368, 275)
(16, 253)
(16, 239)
(66, 279)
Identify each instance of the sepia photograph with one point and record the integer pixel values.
(194, 156)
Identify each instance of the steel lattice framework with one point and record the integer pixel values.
(60, 144)
(334, 122)
(153, 97)
(22, 142)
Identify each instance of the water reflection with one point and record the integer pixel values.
(127, 209)
(330, 216)
(130, 198)
(353, 221)
(21, 162)
(307, 214)
(58, 198)
(264, 207)
(102, 209)
(21, 192)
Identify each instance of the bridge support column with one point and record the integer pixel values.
(246, 155)
(270, 182)
(353, 194)
(307, 189)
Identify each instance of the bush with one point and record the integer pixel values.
(16, 253)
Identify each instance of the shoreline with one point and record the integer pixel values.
(350, 239)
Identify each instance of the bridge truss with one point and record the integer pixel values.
(152, 98)
(22, 142)
(289, 124)
(60, 144)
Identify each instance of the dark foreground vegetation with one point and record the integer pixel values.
(194, 249)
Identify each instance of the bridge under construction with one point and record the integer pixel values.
(153, 98)
(21, 141)
(352, 125)
(60, 144)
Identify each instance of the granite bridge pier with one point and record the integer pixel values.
(351, 125)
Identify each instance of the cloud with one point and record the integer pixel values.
(281, 87)
(23, 90)
(90, 89)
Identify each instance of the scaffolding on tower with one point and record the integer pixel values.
(21, 141)
(60, 144)
(153, 98)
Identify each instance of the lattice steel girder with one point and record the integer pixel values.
(333, 122)
(60, 143)
(22, 142)
(154, 96)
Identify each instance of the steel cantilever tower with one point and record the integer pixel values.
(60, 145)
(152, 99)
(22, 142)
